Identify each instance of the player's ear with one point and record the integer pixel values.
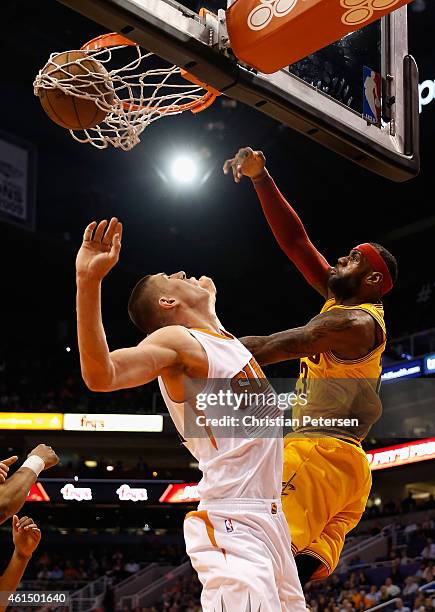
(374, 279)
(168, 302)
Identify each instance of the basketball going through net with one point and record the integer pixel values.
(111, 89)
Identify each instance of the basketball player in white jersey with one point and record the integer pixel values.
(237, 540)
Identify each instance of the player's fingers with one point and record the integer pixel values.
(32, 525)
(4, 469)
(239, 161)
(88, 231)
(227, 165)
(36, 533)
(260, 154)
(234, 169)
(244, 153)
(119, 230)
(10, 460)
(116, 247)
(100, 230)
(15, 521)
(110, 231)
(24, 520)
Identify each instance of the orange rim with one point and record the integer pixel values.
(105, 41)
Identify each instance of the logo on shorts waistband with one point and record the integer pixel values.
(229, 526)
(274, 508)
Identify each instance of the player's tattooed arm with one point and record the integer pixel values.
(349, 334)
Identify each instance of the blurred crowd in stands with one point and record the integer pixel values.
(399, 576)
(405, 506)
(402, 574)
(362, 590)
(85, 565)
(26, 387)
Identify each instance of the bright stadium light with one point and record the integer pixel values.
(184, 169)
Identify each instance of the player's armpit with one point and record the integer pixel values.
(339, 331)
(136, 366)
(254, 343)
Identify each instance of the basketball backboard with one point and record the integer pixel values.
(327, 96)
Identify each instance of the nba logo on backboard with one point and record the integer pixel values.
(229, 526)
(372, 88)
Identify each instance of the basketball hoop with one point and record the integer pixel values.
(144, 91)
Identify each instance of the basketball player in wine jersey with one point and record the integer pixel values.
(327, 477)
(238, 539)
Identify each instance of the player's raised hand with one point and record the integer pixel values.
(26, 535)
(246, 163)
(47, 454)
(100, 249)
(4, 467)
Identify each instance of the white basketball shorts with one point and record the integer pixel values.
(241, 550)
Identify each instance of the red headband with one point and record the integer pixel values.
(378, 264)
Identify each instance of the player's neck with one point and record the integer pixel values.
(356, 300)
(206, 320)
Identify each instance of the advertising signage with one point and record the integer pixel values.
(405, 369)
(140, 492)
(113, 422)
(402, 454)
(31, 420)
(99, 491)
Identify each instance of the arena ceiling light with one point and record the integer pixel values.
(184, 169)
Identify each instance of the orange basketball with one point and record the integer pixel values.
(70, 111)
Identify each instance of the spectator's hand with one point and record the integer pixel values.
(4, 467)
(246, 163)
(100, 249)
(47, 454)
(26, 535)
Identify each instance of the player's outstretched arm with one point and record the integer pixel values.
(103, 370)
(26, 537)
(98, 254)
(138, 365)
(337, 331)
(283, 220)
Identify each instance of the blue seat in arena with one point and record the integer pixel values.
(377, 575)
(416, 545)
(409, 570)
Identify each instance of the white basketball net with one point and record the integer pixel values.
(143, 92)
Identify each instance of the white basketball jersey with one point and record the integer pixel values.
(232, 466)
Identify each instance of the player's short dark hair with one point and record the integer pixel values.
(143, 307)
(389, 259)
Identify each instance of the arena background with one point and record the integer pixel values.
(210, 227)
